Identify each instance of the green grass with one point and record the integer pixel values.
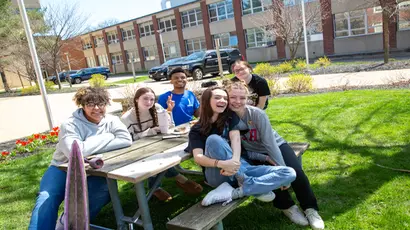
(131, 80)
(349, 133)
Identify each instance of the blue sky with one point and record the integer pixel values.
(101, 10)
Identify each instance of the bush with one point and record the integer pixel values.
(284, 67)
(299, 83)
(300, 64)
(264, 70)
(323, 62)
(30, 90)
(274, 86)
(97, 80)
(49, 86)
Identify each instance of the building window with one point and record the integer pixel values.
(128, 33)
(254, 6)
(404, 15)
(103, 60)
(220, 10)
(87, 44)
(90, 61)
(315, 32)
(146, 29)
(132, 56)
(256, 37)
(167, 24)
(98, 41)
(112, 37)
(116, 58)
(358, 22)
(195, 45)
(191, 18)
(225, 40)
(294, 2)
(171, 50)
(150, 53)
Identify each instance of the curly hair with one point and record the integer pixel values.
(152, 110)
(88, 95)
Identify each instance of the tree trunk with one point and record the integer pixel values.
(386, 43)
(4, 80)
(58, 80)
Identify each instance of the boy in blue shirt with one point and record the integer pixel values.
(182, 103)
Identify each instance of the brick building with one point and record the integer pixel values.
(354, 26)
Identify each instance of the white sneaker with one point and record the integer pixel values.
(223, 193)
(296, 216)
(267, 197)
(315, 220)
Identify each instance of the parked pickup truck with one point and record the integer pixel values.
(200, 63)
(159, 72)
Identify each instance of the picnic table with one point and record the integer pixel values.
(146, 157)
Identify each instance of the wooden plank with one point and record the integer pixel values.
(133, 156)
(135, 145)
(198, 217)
(150, 166)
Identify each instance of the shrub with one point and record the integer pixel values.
(49, 86)
(97, 80)
(274, 87)
(323, 62)
(285, 67)
(299, 83)
(300, 64)
(264, 70)
(30, 90)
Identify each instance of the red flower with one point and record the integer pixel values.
(5, 153)
(53, 134)
(18, 142)
(43, 137)
(30, 140)
(36, 136)
(24, 143)
(55, 128)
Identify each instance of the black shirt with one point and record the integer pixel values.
(258, 87)
(197, 140)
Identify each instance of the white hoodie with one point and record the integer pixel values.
(92, 138)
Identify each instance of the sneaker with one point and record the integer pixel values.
(315, 220)
(162, 195)
(190, 187)
(267, 197)
(223, 193)
(296, 216)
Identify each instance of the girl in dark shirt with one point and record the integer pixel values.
(216, 146)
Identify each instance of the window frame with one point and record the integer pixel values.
(262, 43)
(216, 6)
(118, 58)
(351, 31)
(143, 26)
(125, 30)
(251, 10)
(162, 24)
(187, 14)
(193, 41)
(112, 37)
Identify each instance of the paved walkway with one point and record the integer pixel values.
(23, 116)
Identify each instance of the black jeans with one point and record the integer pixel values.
(300, 186)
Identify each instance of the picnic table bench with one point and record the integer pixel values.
(198, 217)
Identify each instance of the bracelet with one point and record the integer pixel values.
(216, 163)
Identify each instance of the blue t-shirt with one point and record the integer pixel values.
(185, 105)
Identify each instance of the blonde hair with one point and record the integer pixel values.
(237, 85)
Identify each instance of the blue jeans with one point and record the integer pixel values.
(52, 191)
(255, 180)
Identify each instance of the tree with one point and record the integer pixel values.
(284, 22)
(64, 21)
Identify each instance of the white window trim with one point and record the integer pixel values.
(349, 26)
(128, 37)
(265, 38)
(252, 9)
(219, 36)
(193, 41)
(118, 58)
(143, 25)
(99, 41)
(403, 5)
(173, 27)
(217, 14)
(110, 36)
(196, 10)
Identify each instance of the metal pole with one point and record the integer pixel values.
(36, 63)
(162, 44)
(68, 61)
(132, 67)
(302, 2)
(218, 54)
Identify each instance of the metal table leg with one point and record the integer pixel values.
(116, 203)
(143, 206)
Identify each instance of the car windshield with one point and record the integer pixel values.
(196, 55)
(172, 61)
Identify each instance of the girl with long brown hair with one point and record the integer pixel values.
(141, 121)
(216, 145)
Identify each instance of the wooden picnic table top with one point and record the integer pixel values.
(144, 158)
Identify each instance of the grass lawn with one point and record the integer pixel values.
(131, 80)
(349, 133)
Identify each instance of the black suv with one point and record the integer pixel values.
(201, 63)
(158, 72)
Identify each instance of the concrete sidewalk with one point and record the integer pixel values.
(23, 116)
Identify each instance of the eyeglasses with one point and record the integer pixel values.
(92, 105)
(239, 70)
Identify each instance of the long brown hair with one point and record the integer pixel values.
(152, 110)
(205, 121)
